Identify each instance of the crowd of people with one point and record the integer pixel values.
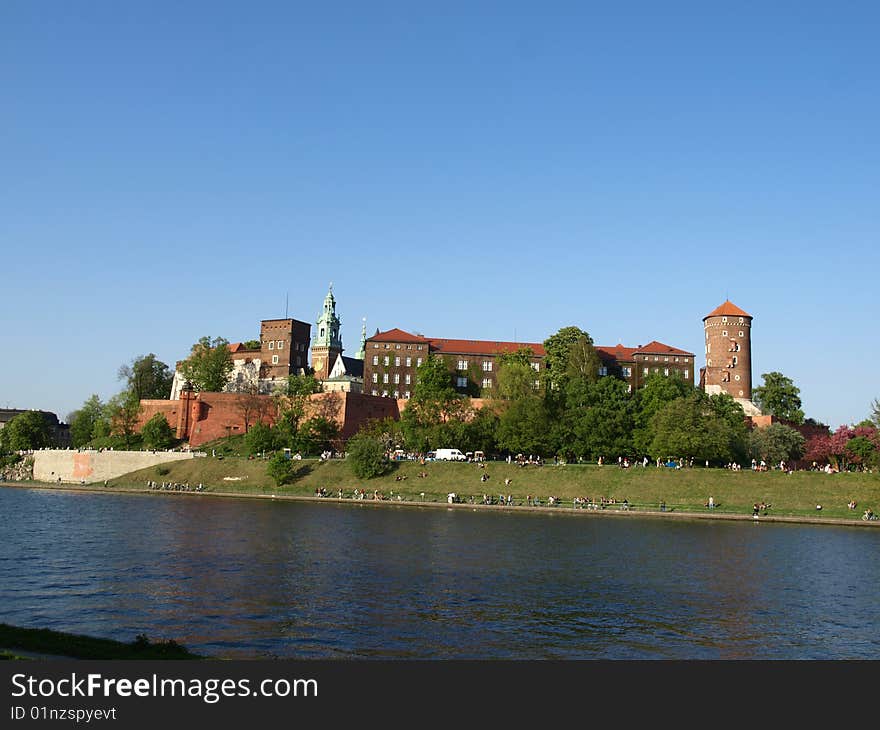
(173, 486)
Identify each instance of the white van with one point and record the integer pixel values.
(449, 455)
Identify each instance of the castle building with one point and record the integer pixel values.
(728, 369)
(392, 358)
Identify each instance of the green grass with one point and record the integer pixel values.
(794, 494)
(76, 646)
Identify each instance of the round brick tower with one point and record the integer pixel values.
(729, 354)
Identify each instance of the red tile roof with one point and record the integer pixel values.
(658, 348)
(728, 309)
(618, 353)
(396, 335)
(484, 347)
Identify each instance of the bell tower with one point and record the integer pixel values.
(327, 342)
(729, 355)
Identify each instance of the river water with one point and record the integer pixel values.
(242, 578)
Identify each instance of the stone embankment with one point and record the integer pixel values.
(71, 466)
(23, 471)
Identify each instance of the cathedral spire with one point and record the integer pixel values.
(361, 354)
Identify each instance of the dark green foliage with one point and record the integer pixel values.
(598, 420)
(525, 427)
(122, 412)
(367, 456)
(28, 430)
(147, 377)
(657, 392)
(281, 469)
(777, 442)
(261, 438)
(84, 422)
(252, 344)
(780, 397)
(316, 435)
(691, 428)
(157, 433)
(209, 364)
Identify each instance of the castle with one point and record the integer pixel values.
(379, 379)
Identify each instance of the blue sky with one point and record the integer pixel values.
(476, 170)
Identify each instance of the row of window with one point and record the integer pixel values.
(685, 373)
(665, 358)
(387, 361)
(407, 379)
(376, 346)
(396, 393)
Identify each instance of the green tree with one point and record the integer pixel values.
(597, 420)
(157, 433)
(525, 427)
(122, 412)
(367, 456)
(147, 377)
(777, 442)
(779, 396)
(84, 421)
(436, 415)
(690, 428)
(261, 438)
(480, 431)
(657, 391)
(558, 348)
(583, 361)
(522, 355)
(208, 365)
(26, 431)
(316, 435)
(281, 469)
(515, 381)
(291, 399)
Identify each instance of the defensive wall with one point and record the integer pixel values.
(72, 466)
(202, 417)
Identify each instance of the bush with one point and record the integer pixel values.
(367, 457)
(157, 433)
(281, 469)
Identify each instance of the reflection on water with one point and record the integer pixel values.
(251, 578)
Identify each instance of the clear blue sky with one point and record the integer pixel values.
(475, 170)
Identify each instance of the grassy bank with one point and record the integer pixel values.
(19, 642)
(793, 495)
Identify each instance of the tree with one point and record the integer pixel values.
(525, 427)
(436, 414)
(367, 456)
(583, 360)
(597, 420)
(147, 377)
(777, 442)
(280, 468)
(253, 407)
(84, 421)
(157, 433)
(208, 365)
(779, 396)
(656, 393)
(317, 435)
(515, 381)
(26, 431)
(261, 438)
(122, 412)
(690, 428)
(291, 399)
(558, 349)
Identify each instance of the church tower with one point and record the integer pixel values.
(362, 352)
(729, 355)
(327, 342)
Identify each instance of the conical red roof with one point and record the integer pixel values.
(728, 309)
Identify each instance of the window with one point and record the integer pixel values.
(687, 373)
(487, 366)
(397, 378)
(419, 347)
(627, 372)
(409, 347)
(397, 347)
(645, 371)
(271, 344)
(409, 362)
(686, 361)
(666, 359)
(656, 358)
(536, 366)
(735, 362)
(740, 320)
(387, 360)
(387, 346)
(384, 393)
(724, 320)
(298, 362)
(397, 362)
(407, 379)
(406, 394)
(666, 372)
(656, 370)
(461, 382)
(736, 377)
(487, 382)
(274, 359)
(603, 371)
(397, 394)
(280, 345)
(724, 333)
(376, 347)
(419, 362)
(375, 377)
(322, 331)
(375, 359)
(629, 388)
(374, 392)
(384, 377)
(537, 384)
(462, 364)
(741, 334)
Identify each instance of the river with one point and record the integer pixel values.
(247, 578)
